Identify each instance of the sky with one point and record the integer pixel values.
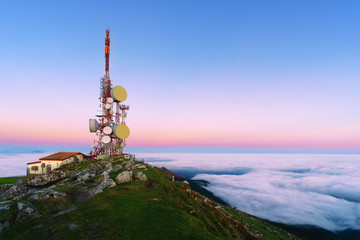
(249, 75)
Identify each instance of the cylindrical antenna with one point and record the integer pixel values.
(107, 50)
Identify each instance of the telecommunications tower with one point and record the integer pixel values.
(110, 126)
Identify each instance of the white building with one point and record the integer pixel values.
(56, 160)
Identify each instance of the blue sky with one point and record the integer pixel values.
(236, 74)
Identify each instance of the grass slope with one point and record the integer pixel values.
(156, 209)
(10, 180)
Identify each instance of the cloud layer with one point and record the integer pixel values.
(14, 164)
(321, 190)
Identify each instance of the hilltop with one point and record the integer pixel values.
(120, 199)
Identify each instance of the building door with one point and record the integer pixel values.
(48, 168)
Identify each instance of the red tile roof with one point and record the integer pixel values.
(61, 156)
(33, 162)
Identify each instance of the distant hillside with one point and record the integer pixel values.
(120, 199)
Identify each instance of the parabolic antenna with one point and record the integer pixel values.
(110, 100)
(93, 125)
(106, 139)
(121, 131)
(107, 130)
(108, 106)
(118, 93)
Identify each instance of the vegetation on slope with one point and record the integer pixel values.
(158, 208)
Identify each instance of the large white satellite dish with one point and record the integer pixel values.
(107, 130)
(106, 139)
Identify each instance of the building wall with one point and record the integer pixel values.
(35, 171)
(53, 164)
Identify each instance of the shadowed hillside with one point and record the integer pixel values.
(119, 199)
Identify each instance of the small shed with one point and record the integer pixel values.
(53, 161)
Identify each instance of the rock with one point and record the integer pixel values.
(141, 176)
(125, 176)
(104, 176)
(78, 183)
(22, 182)
(140, 166)
(108, 167)
(47, 194)
(70, 209)
(4, 226)
(129, 165)
(108, 183)
(73, 226)
(85, 175)
(5, 215)
(116, 168)
(5, 187)
(95, 168)
(186, 182)
(51, 177)
(14, 191)
(26, 212)
(5, 205)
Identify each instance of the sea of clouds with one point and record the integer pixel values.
(15, 164)
(299, 189)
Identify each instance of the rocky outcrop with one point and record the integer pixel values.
(108, 167)
(116, 168)
(14, 191)
(16, 199)
(70, 209)
(129, 165)
(47, 194)
(95, 168)
(73, 226)
(83, 196)
(5, 187)
(26, 212)
(140, 176)
(104, 176)
(5, 215)
(85, 176)
(140, 166)
(43, 180)
(125, 176)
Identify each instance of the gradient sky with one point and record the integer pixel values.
(228, 74)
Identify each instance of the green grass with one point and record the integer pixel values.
(10, 180)
(155, 209)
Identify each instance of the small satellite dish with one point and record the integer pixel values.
(108, 106)
(106, 139)
(107, 130)
(110, 100)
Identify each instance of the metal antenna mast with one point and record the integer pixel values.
(110, 130)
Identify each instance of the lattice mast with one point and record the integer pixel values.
(111, 128)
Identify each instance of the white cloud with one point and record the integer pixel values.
(15, 164)
(321, 190)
